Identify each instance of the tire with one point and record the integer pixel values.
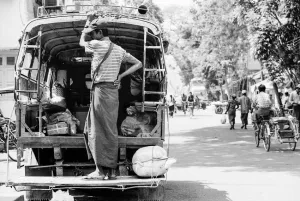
(292, 145)
(267, 137)
(257, 138)
(219, 110)
(203, 106)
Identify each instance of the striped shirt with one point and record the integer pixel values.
(109, 70)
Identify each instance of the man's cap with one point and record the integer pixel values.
(95, 24)
(233, 96)
(298, 86)
(244, 91)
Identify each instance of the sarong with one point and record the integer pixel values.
(101, 133)
(231, 116)
(244, 118)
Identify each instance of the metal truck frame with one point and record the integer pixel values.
(49, 43)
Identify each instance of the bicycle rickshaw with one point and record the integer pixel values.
(220, 107)
(284, 129)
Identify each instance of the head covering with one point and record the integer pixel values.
(233, 96)
(298, 86)
(244, 91)
(95, 24)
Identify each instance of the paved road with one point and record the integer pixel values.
(216, 164)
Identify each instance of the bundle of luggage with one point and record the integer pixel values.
(137, 124)
(62, 123)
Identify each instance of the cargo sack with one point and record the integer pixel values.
(60, 128)
(131, 127)
(151, 161)
(223, 119)
(137, 122)
(65, 117)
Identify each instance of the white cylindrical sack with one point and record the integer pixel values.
(151, 161)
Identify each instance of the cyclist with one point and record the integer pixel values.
(191, 103)
(262, 104)
(183, 102)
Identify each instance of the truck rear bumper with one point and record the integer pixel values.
(67, 182)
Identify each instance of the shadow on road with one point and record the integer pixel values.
(220, 147)
(194, 191)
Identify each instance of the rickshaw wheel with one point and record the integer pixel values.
(219, 110)
(257, 139)
(292, 145)
(267, 137)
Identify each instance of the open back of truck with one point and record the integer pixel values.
(51, 61)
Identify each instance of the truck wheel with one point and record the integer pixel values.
(150, 194)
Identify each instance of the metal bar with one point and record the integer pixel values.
(144, 65)
(32, 46)
(26, 91)
(153, 103)
(39, 81)
(157, 70)
(153, 47)
(164, 64)
(27, 69)
(155, 92)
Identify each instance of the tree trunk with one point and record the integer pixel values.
(278, 99)
(221, 90)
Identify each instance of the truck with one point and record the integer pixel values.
(51, 61)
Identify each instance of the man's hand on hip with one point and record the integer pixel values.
(117, 82)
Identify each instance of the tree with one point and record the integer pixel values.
(275, 31)
(223, 42)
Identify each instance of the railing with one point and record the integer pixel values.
(114, 11)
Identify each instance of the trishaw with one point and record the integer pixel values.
(284, 129)
(51, 61)
(220, 107)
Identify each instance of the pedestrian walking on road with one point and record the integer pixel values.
(171, 103)
(231, 110)
(295, 101)
(245, 108)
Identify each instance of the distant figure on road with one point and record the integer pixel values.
(286, 102)
(171, 102)
(245, 108)
(295, 101)
(183, 102)
(231, 110)
(191, 102)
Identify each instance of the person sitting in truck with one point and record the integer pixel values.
(101, 132)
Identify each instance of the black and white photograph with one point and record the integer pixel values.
(149, 100)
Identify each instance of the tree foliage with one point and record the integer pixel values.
(275, 33)
(207, 41)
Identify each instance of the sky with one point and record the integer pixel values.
(165, 3)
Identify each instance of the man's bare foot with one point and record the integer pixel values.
(95, 175)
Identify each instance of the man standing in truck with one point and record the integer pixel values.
(101, 131)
